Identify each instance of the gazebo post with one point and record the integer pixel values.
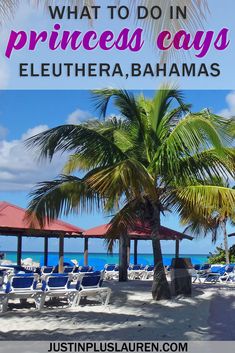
(128, 251)
(45, 251)
(123, 258)
(19, 249)
(61, 254)
(135, 251)
(86, 251)
(177, 248)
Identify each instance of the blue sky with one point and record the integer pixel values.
(24, 113)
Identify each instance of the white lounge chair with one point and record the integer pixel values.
(22, 287)
(90, 284)
(148, 272)
(58, 285)
(135, 271)
(110, 271)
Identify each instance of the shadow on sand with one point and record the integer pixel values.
(131, 315)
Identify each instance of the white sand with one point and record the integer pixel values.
(131, 315)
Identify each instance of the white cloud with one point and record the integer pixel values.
(34, 131)
(19, 167)
(79, 116)
(230, 110)
(3, 132)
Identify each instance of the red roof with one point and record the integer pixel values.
(12, 221)
(140, 231)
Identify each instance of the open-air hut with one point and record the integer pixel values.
(13, 223)
(139, 232)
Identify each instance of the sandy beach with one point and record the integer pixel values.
(132, 315)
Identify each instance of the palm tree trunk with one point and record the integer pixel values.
(226, 248)
(160, 287)
(123, 258)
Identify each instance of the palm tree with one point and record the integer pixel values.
(215, 223)
(154, 157)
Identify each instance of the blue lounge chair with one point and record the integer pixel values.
(110, 271)
(197, 267)
(15, 269)
(205, 268)
(217, 273)
(199, 272)
(85, 269)
(90, 284)
(135, 271)
(69, 269)
(224, 274)
(47, 270)
(148, 272)
(230, 273)
(20, 286)
(57, 285)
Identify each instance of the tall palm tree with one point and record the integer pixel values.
(213, 224)
(154, 157)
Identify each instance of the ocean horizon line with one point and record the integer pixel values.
(90, 253)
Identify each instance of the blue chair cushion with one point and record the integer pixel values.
(68, 269)
(91, 279)
(197, 267)
(218, 269)
(48, 269)
(136, 267)
(56, 280)
(24, 281)
(110, 267)
(150, 268)
(205, 267)
(85, 269)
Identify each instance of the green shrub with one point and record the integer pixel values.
(219, 256)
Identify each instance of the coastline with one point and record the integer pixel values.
(100, 259)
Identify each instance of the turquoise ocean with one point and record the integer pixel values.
(100, 259)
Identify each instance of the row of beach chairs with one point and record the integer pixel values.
(213, 273)
(72, 287)
(134, 272)
(205, 273)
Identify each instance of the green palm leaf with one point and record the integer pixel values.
(98, 151)
(67, 194)
(206, 199)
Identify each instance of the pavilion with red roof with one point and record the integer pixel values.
(139, 232)
(13, 222)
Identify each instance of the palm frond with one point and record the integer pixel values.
(124, 101)
(161, 103)
(84, 139)
(207, 165)
(8, 9)
(197, 11)
(190, 136)
(129, 178)
(51, 199)
(124, 220)
(206, 199)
